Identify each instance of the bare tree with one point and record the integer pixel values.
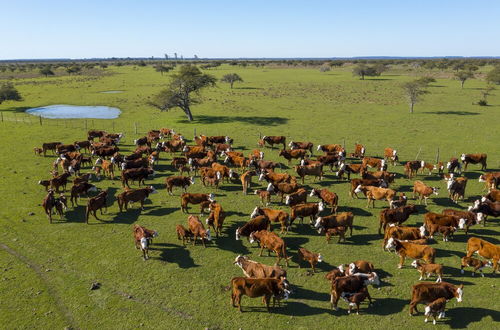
(414, 91)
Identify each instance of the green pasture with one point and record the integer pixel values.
(46, 270)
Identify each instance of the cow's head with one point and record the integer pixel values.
(414, 263)
(261, 155)
(422, 231)
(270, 187)
(185, 149)
(462, 157)
(123, 166)
(290, 144)
(153, 190)
(479, 217)
(435, 191)
(320, 257)
(227, 159)
(319, 147)
(144, 243)
(252, 238)
(191, 180)
(318, 222)
(461, 223)
(255, 212)
(391, 244)
(358, 189)
(341, 268)
(482, 178)
(208, 236)
(211, 197)
(383, 184)
(92, 189)
(321, 206)
(459, 292)
(98, 161)
(287, 200)
(238, 234)
(262, 176)
(218, 175)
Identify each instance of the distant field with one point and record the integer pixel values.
(46, 270)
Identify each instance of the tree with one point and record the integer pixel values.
(494, 76)
(46, 71)
(163, 68)
(363, 70)
(325, 67)
(413, 91)
(425, 81)
(73, 69)
(463, 76)
(187, 81)
(231, 78)
(9, 93)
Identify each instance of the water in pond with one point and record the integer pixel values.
(75, 111)
(111, 92)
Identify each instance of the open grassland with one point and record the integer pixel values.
(46, 270)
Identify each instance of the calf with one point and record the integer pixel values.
(48, 204)
(401, 201)
(359, 151)
(257, 287)
(423, 191)
(471, 218)
(312, 258)
(183, 233)
(485, 249)
(142, 239)
(203, 199)
(38, 151)
(426, 270)
(295, 198)
(335, 231)
(474, 159)
(491, 179)
(428, 166)
(258, 223)
(134, 195)
(310, 210)
(424, 293)
(178, 181)
(50, 146)
(327, 197)
(349, 168)
(356, 299)
(454, 166)
(265, 196)
(216, 218)
(246, 180)
(395, 216)
(273, 216)
(431, 218)
(347, 285)
(456, 188)
(283, 188)
(198, 230)
(271, 242)
(391, 154)
(435, 310)
(343, 219)
(96, 203)
(475, 263)
(80, 188)
(446, 231)
(60, 181)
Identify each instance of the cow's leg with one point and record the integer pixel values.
(401, 261)
(413, 307)
(142, 204)
(267, 298)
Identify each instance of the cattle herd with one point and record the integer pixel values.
(214, 161)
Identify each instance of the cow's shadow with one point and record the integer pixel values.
(297, 308)
(173, 253)
(299, 292)
(227, 241)
(362, 239)
(356, 210)
(386, 306)
(462, 317)
(161, 211)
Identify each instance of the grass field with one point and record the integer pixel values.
(46, 270)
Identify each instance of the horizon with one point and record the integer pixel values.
(262, 30)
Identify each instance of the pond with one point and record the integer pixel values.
(65, 111)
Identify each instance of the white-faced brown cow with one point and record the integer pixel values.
(474, 159)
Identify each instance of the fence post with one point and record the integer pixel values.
(418, 153)
(1, 112)
(15, 117)
(113, 126)
(437, 156)
(135, 127)
(194, 133)
(40, 118)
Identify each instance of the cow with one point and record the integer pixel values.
(331, 148)
(60, 181)
(257, 287)
(241, 162)
(274, 216)
(411, 168)
(265, 196)
(366, 182)
(349, 168)
(426, 270)
(331, 160)
(134, 195)
(446, 231)
(456, 188)
(105, 151)
(414, 251)
(471, 218)
(335, 273)
(136, 174)
(283, 188)
(314, 170)
(135, 163)
(142, 141)
(376, 193)
(297, 197)
(96, 203)
(423, 191)
(359, 151)
(198, 230)
(474, 159)
(82, 145)
(301, 145)
(166, 132)
(435, 310)
(485, 249)
(491, 179)
(226, 172)
(256, 154)
(401, 201)
(310, 210)
(201, 141)
(80, 188)
(429, 167)
(246, 180)
(475, 263)
(91, 134)
(216, 218)
(260, 164)
(48, 204)
(431, 218)
(380, 175)
(183, 233)
(487, 208)
(424, 293)
(272, 242)
(275, 178)
(64, 148)
(327, 197)
(342, 286)
(293, 154)
(142, 239)
(405, 234)
(335, 231)
(203, 199)
(377, 163)
(52, 146)
(312, 258)
(258, 223)
(454, 166)
(343, 219)
(107, 166)
(173, 145)
(178, 181)
(391, 154)
(253, 269)
(272, 140)
(395, 216)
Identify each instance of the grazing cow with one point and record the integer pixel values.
(241, 162)
(246, 180)
(401, 201)
(135, 163)
(376, 193)
(64, 148)
(487, 208)
(475, 263)
(183, 233)
(343, 219)
(260, 164)
(136, 174)
(203, 199)
(359, 151)
(293, 154)
(96, 203)
(331, 148)
(377, 163)
(405, 234)
(38, 151)
(60, 181)
(257, 287)
(380, 175)
(283, 188)
(414, 251)
(222, 147)
(431, 218)
(220, 139)
(312, 258)
(142, 141)
(52, 146)
(216, 218)
(335, 273)
(166, 132)
(273, 216)
(178, 181)
(314, 170)
(48, 204)
(485, 249)
(258, 223)
(456, 188)
(424, 293)
(342, 286)
(272, 140)
(435, 310)
(454, 166)
(83, 145)
(275, 178)
(265, 196)
(423, 191)
(134, 195)
(106, 166)
(254, 269)
(411, 168)
(391, 154)
(395, 216)
(272, 242)
(177, 162)
(493, 195)
(142, 239)
(173, 145)
(426, 270)
(297, 197)
(301, 145)
(446, 231)
(491, 179)
(474, 159)
(201, 141)
(350, 168)
(211, 179)
(226, 172)
(93, 133)
(365, 182)
(328, 197)
(198, 230)
(310, 210)
(335, 231)
(80, 188)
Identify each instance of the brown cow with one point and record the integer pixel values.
(306, 210)
(183, 233)
(297, 197)
(265, 196)
(142, 240)
(405, 234)
(359, 151)
(134, 195)
(60, 181)
(414, 251)
(376, 193)
(491, 179)
(471, 218)
(96, 203)
(423, 191)
(52, 146)
(426, 270)
(274, 216)
(275, 178)
(203, 199)
(257, 287)
(258, 223)
(456, 188)
(216, 218)
(136, 174)
(246, 180)
(395, 216)
(391, 154)
(366, 182)
(328, 197)
(178, 181)
(343, 219)
(301, 145)
(335, 231)
(80, 188)
(485, 249)
(314, 170)
(198, 230)
(293, 154)
(411, 168)
(253, 269)
(331, 148)
(272, 140)
(347, 285)
(424, 293)
(312, 258)
(475, 263)
(377, 163)
(272, 242)
(435, 310)
(474, 159)
(283, 188)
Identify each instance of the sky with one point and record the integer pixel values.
(232, 29)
